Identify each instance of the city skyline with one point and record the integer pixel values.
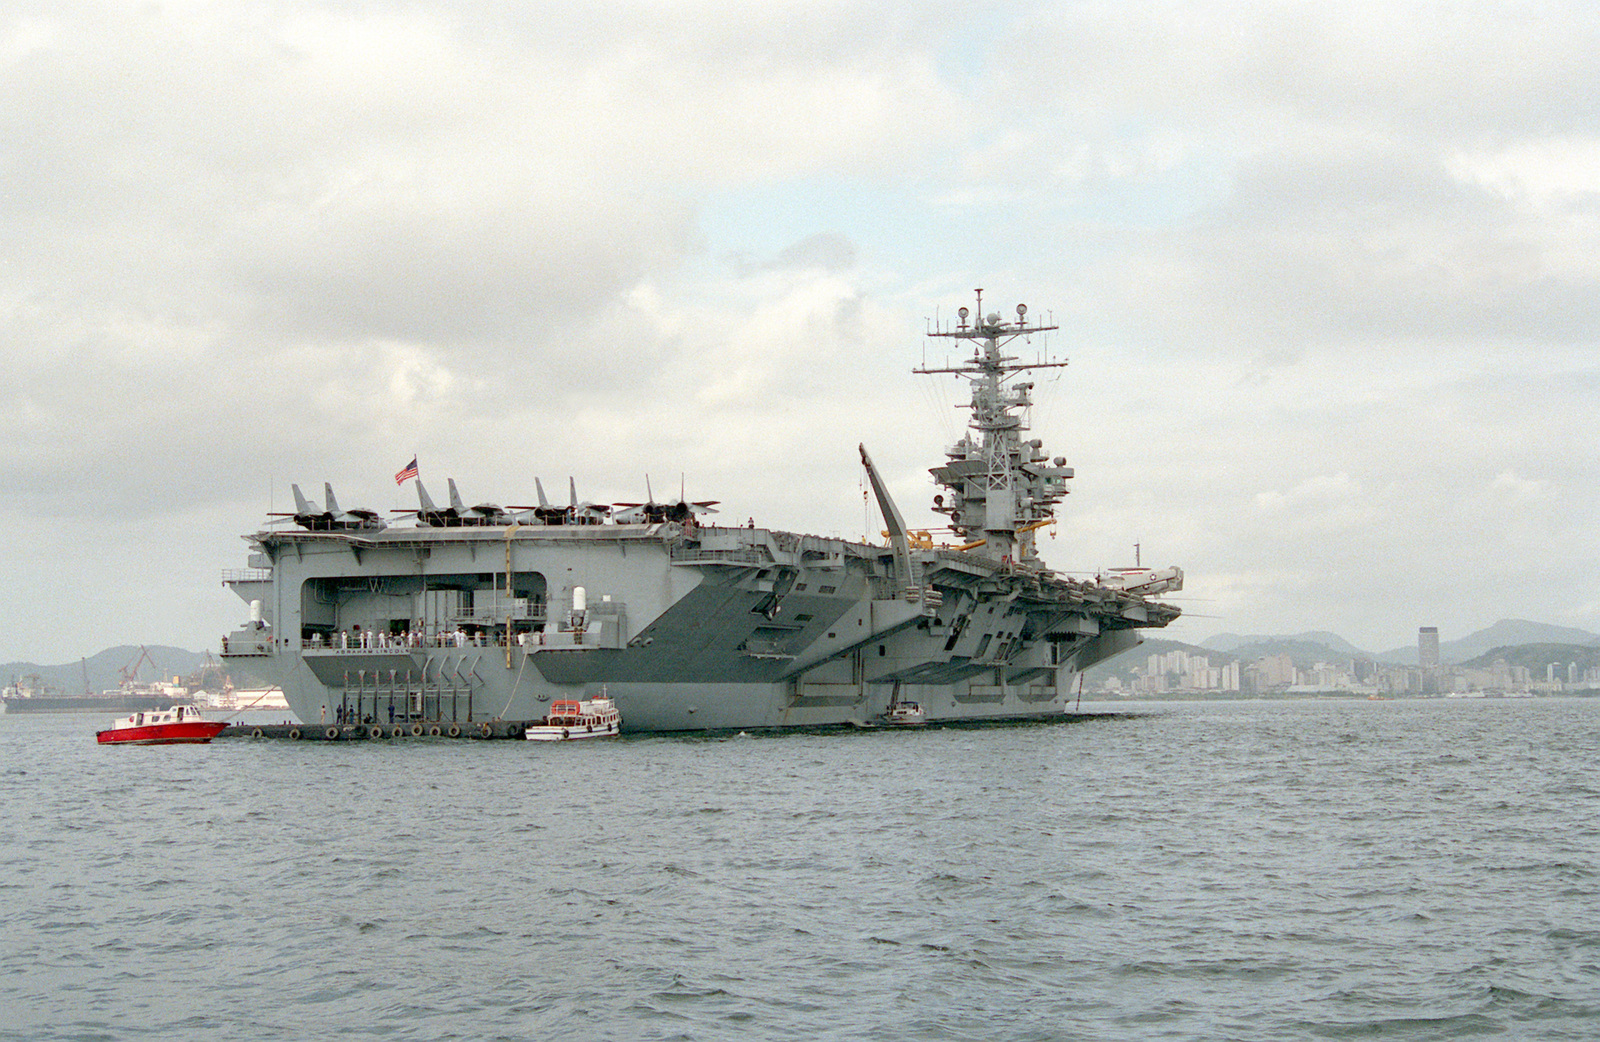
(1181, 672)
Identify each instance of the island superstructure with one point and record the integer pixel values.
(484, 615)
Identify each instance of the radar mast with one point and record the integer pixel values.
(1002, 489)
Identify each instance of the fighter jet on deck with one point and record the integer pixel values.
(457, 514)
(330, 518)
(651, 512)
(574, 513)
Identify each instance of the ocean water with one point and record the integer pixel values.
(1243, 870)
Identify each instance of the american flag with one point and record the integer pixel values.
(407, 472)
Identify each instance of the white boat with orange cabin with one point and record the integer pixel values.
(569, 720)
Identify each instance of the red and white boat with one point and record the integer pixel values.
(590, 718)
(176, 726)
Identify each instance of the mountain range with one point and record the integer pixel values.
(105, 670)
(1503, 634)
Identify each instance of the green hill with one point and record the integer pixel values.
(1537, 657)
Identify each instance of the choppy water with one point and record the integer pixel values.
(1404, 870)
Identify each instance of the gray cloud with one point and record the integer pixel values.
(823, 251)
(1325, 275)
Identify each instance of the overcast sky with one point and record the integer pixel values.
(1326, 275)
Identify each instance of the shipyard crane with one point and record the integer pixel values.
(131, 671)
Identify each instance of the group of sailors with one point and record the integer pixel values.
(376, 640)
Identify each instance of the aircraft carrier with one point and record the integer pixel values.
(474, 617)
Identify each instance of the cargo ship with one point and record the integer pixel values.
(29, 695)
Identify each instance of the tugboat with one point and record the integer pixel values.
(180, 725)
(569, 720)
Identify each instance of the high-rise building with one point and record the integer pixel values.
(1428, 647)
